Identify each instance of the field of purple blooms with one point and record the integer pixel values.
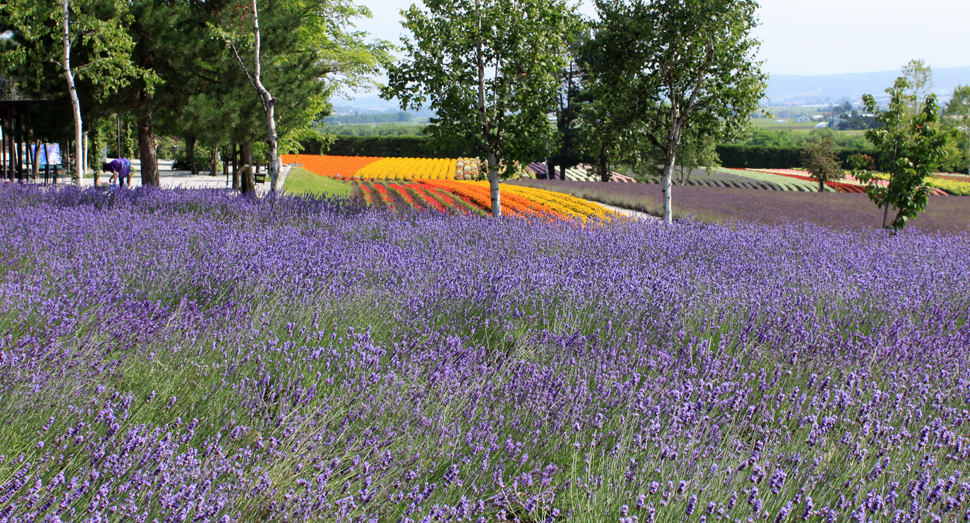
(194, 356)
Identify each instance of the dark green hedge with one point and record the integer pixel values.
(761, 157)
(389, 146)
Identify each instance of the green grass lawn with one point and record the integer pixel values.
(302, 181)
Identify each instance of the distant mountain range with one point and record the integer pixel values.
(782, 89)
(832, 88)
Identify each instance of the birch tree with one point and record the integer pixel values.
(490, 71)
(681, 63)
(295, 55)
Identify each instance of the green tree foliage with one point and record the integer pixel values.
(384, 129)
(919, 77)
(85, 41)
(308, 52)
(789, 138)
(679, 64)
(489, 69)
(913, 147)
(958, 118)
(822, 163)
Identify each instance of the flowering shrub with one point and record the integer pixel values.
(227, 359)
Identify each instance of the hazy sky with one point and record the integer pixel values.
(819, 36)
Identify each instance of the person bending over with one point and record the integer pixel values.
(120, 171)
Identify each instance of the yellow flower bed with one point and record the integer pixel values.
(409, 169)
(950, 186)
(559, 202)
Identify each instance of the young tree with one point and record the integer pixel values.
(958, 113)
(683, 64)
(919, 76)
(305, 52)
(490, 70)
(822, 163)
(911, 147)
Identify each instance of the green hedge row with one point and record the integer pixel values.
(762, 157)
(390, 146)
(751, 156)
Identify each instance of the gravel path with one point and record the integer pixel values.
(629, 212)
(170, 179)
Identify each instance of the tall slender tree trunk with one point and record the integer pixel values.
(673, 142)
(146, 150)
(235, 166)
(604, 173)
(246, 172)
(36, 159)
(190, 153)
(493, 184)
(214, 162)
(75, 103)
(484, 127)
(269, 105)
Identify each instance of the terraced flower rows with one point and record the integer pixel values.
(468, 197)
(580, 173)
(379, 168)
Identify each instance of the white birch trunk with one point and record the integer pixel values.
(673, 143)
(483, 120)
(75, 103)
(667, 185)
(493, 185)
(269, 104)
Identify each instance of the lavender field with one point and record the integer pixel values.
(193, 356)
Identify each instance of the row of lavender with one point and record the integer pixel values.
(179, 356)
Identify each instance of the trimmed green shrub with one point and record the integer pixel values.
(386, 146)
(764, 157)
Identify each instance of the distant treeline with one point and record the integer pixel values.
(731, 155)
(766, 157)
(789, 138)
(383, 129)
(390, 146)
(350, 119)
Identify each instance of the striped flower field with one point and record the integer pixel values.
(467, 197)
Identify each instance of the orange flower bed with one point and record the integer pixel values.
(341, 167)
